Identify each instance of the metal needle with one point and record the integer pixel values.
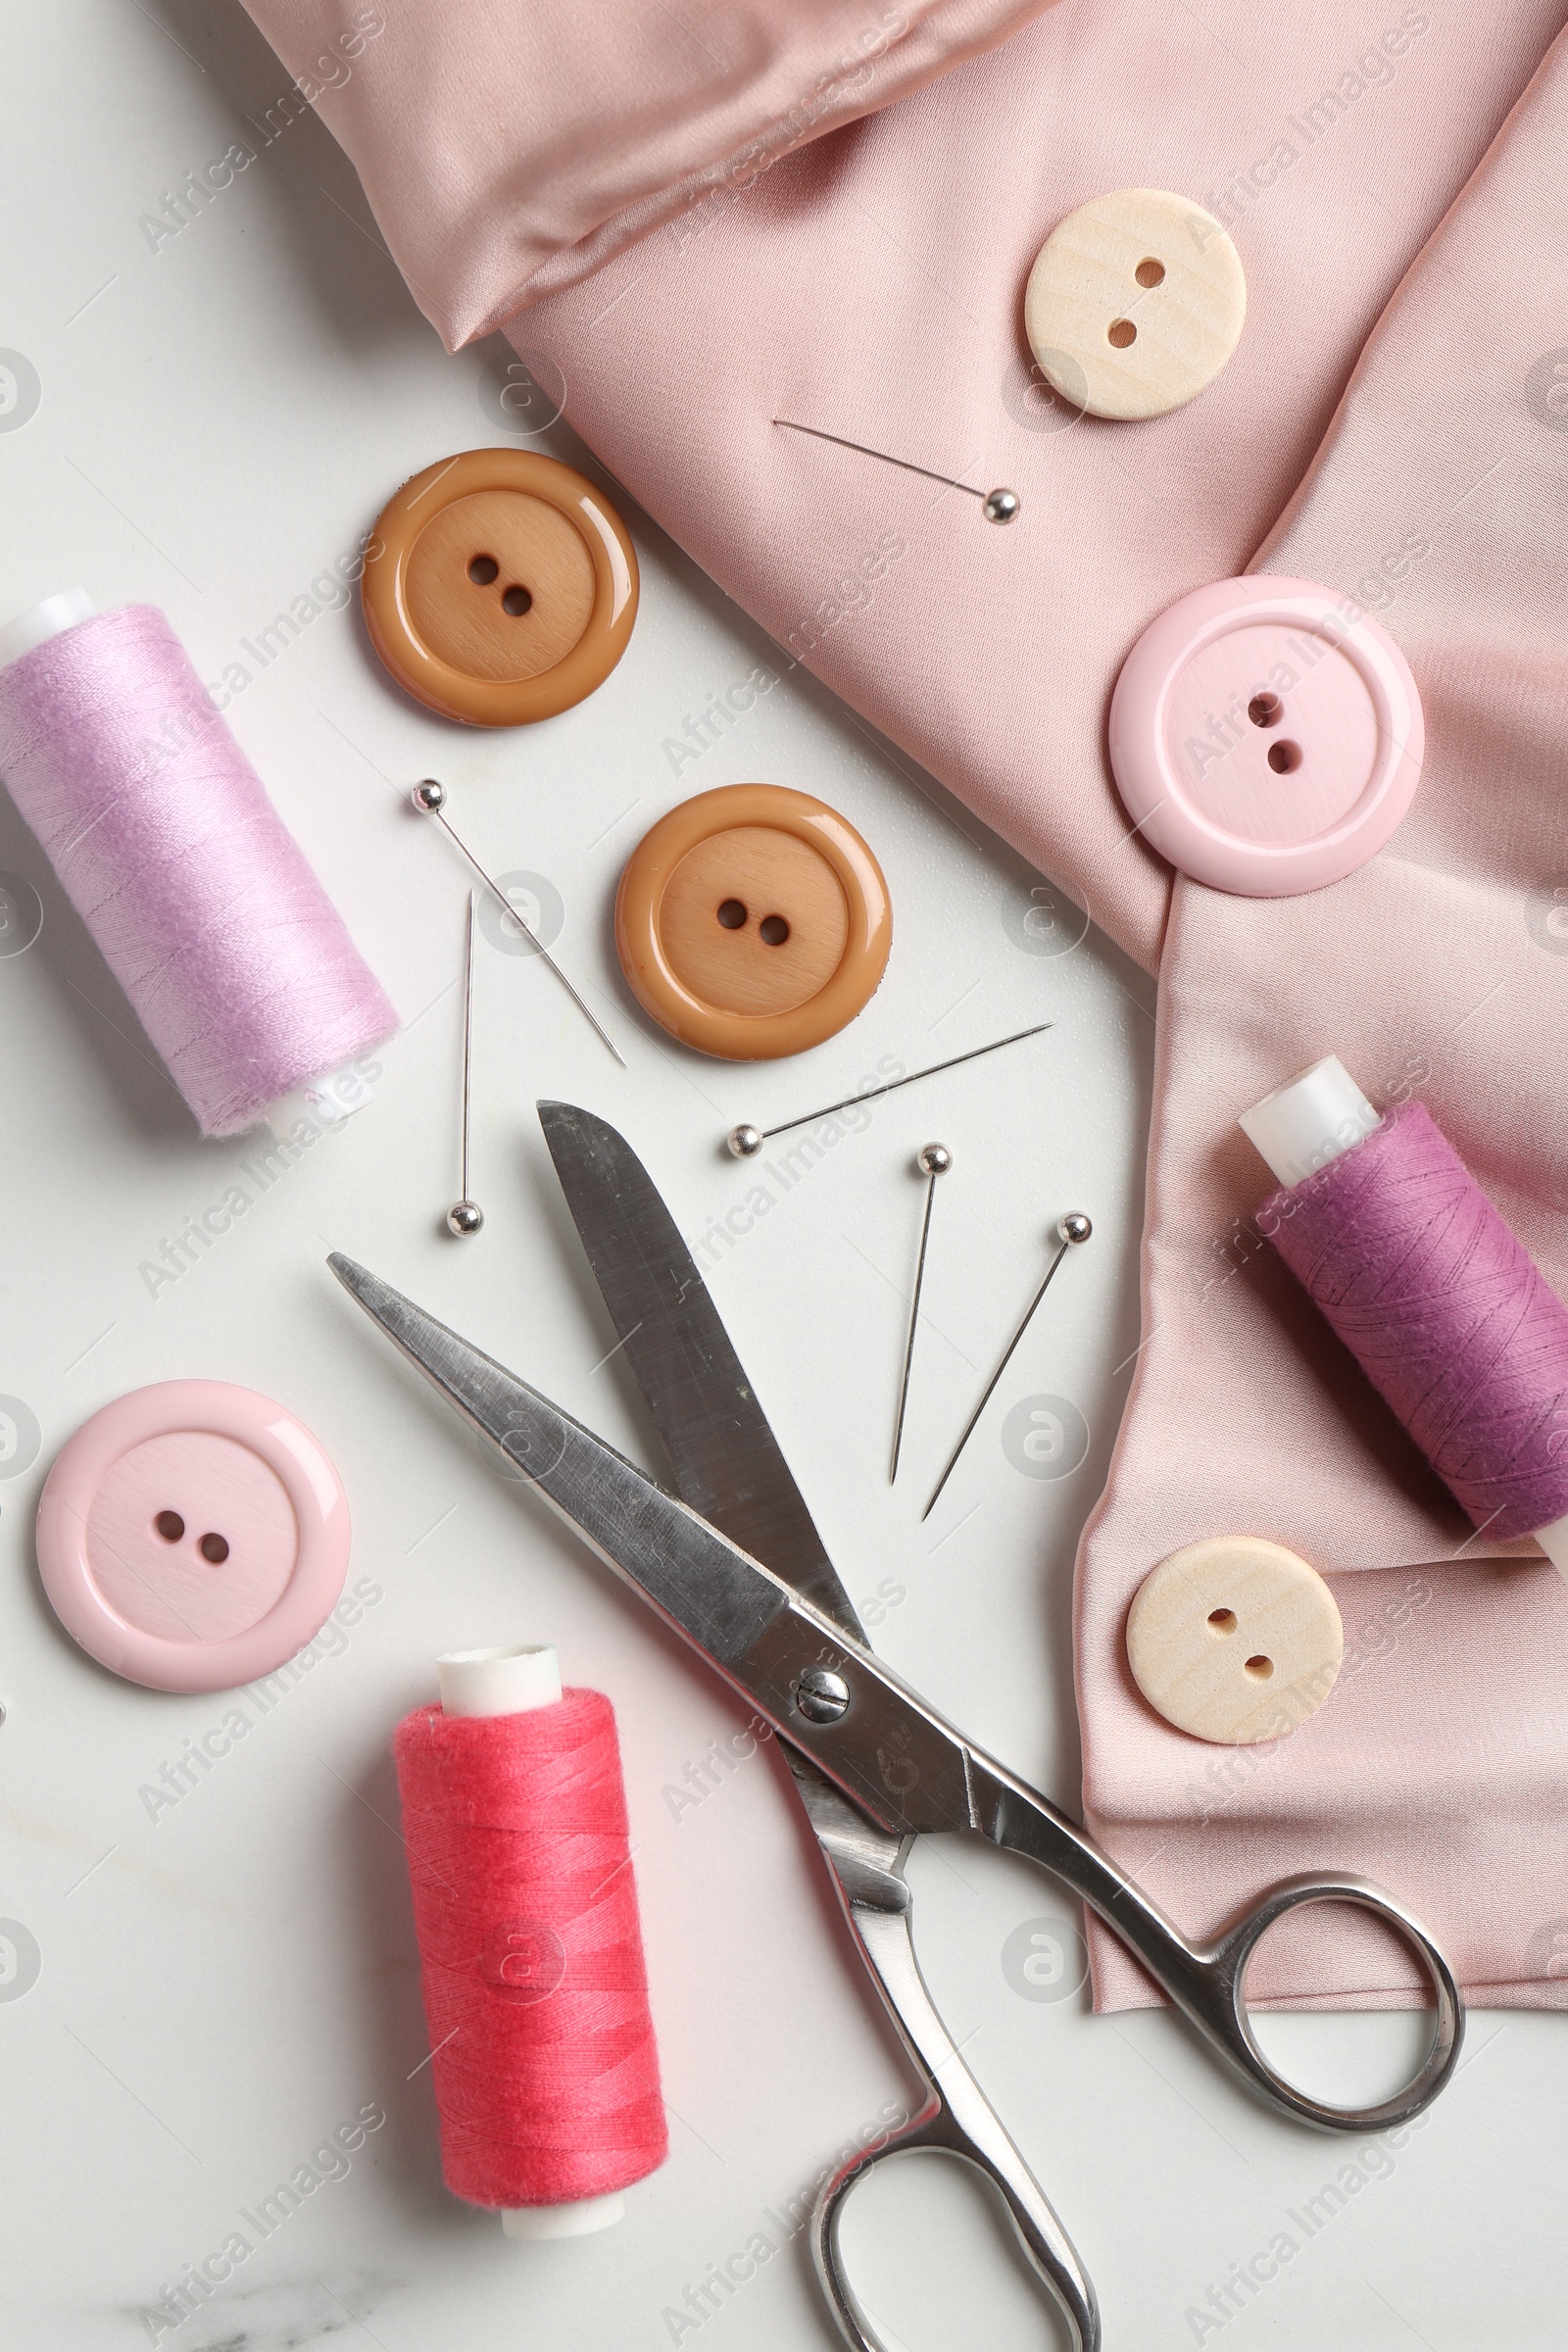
(429, 798)
(1000, 506)
(934, 1162)
(465, 1215)
(1072, 1229)
(745, 1142)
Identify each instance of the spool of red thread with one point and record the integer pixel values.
(535, 1993)
(1436, 1296)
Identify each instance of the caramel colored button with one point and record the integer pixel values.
(1135, 303)
(752, 921)
(502, 587)
(1235, 1640)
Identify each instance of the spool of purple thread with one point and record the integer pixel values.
(1439, 1302)
(238, 965)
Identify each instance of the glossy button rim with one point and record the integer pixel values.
(289, 1451)
(439, 683)
(712, 1028)
(1157, 798)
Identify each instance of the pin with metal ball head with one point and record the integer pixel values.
(1072, 1231)
(466, 1216)
(430, 800)
(996, 506)
(746, 1141)
(934, 1160)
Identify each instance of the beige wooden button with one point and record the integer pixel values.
(500, 587)
(1235, 1640)
(752, 921)
(1135, 303)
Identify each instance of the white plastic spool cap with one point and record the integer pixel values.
(1311, 1120)
(326, 1100)
(514, 1682)
(497, 1682)
(40, 622)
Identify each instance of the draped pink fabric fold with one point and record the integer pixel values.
(510, 148)
(1391, 424)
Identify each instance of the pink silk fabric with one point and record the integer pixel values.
(510, 147)
(1391, 424)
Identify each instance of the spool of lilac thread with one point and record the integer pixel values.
(1439, 1302)
(203, 904)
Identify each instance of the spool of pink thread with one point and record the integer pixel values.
(204, 906)
(1438, 1301)
(536, 1993)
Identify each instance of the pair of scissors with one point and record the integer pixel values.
(733, 1561)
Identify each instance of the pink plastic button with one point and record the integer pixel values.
(1261, 740)
(192, 1536)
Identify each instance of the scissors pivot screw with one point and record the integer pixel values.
(821, 1696)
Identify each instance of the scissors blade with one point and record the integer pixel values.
(888, 1751)
(725, 1458)
(694, 1575)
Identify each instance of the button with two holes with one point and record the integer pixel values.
(752, 921)
(192, 1536)
(501, 587)
(1235, 1640)
(1265, 735)
(1135, 303)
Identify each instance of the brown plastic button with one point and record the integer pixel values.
(752, 922)
(502, 587)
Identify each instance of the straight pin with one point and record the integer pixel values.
(430, 799)
(997, 506)
(1072, 1230)
(745, 1142)
(935, 1161)
(465, 1215)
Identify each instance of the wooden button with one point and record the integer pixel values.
(1235, 1640)
(1135, 303)
(752, 921)
(502, 587)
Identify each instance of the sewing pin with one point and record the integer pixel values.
(745, 1141)
(996, 506)
(465, 1215)
(430, 799)
(1072, 1230)
(934, 1160)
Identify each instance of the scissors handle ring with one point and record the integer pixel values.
(1206, 1981)
(936, 2131)
(957, 2118)
(1218, 2003)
